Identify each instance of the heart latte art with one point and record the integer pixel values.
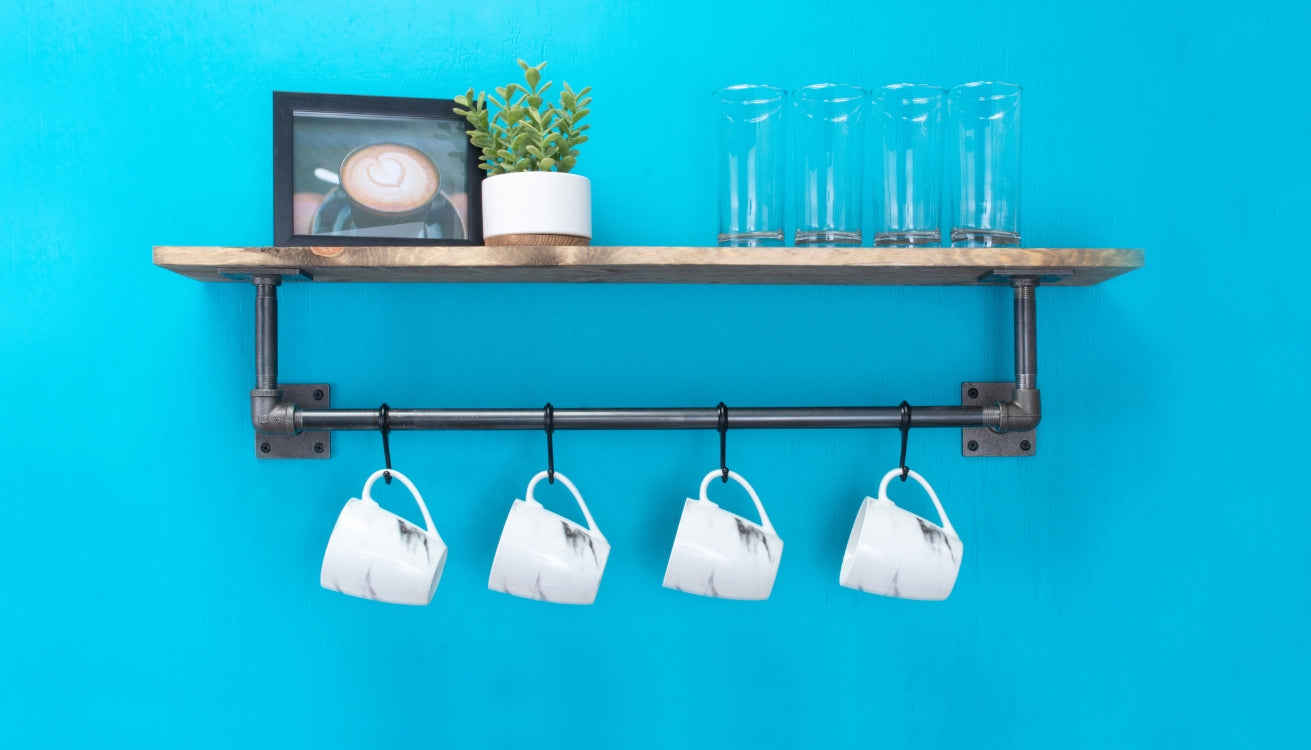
(389, 179)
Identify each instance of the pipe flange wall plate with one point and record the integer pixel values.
(982, 441)
(1038, 275)
(306, 444)
(244, 273)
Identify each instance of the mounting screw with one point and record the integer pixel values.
(318, 394)
(265, 447)
(1025, 445)
(974, 393)
(318, 448)
(972, 445)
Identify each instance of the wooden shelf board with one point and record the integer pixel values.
(653, 265)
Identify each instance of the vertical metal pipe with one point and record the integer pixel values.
(266, 332)
(1026, 334)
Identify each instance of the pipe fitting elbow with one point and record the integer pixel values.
(270, 414)
(1021, 413)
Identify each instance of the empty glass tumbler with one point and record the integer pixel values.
(751, 163)
(984, 152)
(908, 187)
(830, 154)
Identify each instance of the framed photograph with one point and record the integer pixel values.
(370, 170)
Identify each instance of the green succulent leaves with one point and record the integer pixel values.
(526, 133)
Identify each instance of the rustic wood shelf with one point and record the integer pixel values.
(656, 265)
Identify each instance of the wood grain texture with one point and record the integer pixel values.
(537, 240)
(860, 266)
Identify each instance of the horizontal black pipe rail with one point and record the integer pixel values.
(739, 418)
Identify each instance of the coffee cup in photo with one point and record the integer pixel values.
(543, 555)
(375, 554)
(720, 554)
(388, 183)
(894, 552)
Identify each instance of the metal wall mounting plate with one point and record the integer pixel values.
(306, 444)
(982, 441)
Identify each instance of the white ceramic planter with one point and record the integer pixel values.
(537, 208)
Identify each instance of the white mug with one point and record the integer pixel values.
(376, 554)
(721, 554)
(894, 552)
(545, 556)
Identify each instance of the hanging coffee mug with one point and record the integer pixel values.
(375, 554)
(543, 555)
(721, 554)
(894, 552)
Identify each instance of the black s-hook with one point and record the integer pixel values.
(548, 416)
(723, 440)
(385, 428)
(905, 433)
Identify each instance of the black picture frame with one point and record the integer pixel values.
(322, 129)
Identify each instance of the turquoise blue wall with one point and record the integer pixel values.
(1143, 581)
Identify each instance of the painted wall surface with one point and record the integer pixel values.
(1142, 581)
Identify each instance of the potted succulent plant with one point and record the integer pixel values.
(529, 146)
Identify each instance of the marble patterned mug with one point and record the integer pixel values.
(375, 554)
(894, 552)
(543, 555)
(721, 554)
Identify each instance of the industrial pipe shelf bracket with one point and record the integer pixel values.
(297, 420)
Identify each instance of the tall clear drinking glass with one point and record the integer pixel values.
(984, 120)
(830, 156)
(751, 162)
(908, 189)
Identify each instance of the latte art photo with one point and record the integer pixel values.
(388, 178)
(369, 170)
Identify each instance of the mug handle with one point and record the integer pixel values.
(591, 525)
(368, 485)
(883, 494)
(719, 473)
